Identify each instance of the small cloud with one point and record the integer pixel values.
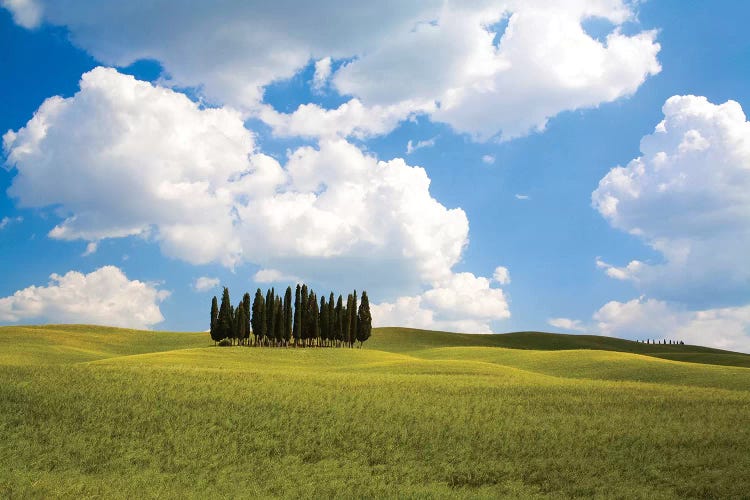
(90, 248)
(272, 276)
(411, 147)
(574, 325)
(488, 159)
(501, 275)
(205, 283)
(629, 272)
(322, 73)
(5, 221)
(522, 197)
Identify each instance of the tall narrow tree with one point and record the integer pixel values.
(225, 316)
(364, 320)
(246, 317)
(258, 320)
(297, 330)
(314, 322)
(288, 314)
(305, 323)
(332, 318)
(214, 320)
(323, 320)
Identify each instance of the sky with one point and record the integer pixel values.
(488, 166)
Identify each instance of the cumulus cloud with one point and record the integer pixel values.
(462, 303)
(488, 159)
(411, 147)
(191, 179)
(522, 197)
(724, 328)
(322, 73)
(105, 296)
(544, 63)
(573, 325)
(273, 276)
(205, 283)
(687, 197)
(501, 275)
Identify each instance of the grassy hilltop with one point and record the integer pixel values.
(99, 411)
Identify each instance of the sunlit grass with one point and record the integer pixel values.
(141, 419)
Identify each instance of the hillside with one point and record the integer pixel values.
(96, 411)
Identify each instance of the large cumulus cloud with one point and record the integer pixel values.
(450, 60)
(105, 296)
(687, 197)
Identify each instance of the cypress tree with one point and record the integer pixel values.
(246, 317)
(353, 319)
(364, 320)
(288, 314)
(279, 322)
(323, 319)
(304, 324)
(224, 319)
(270, 314)
(314, 322)
(258, 320)
(338, 322)
(331, 318)
(214, 320)
(345, 320)
(297, 330)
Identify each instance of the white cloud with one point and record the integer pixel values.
(351, 118)
(273, 276)
(461, 303)
(640, 319)
(544, 64)
(105, 296)
(627, 273)
(6, 221)
(205, 283)
(688, 197)
(501, 275)
(567, 324)
(322, 73)
(91, 248)
(522, 196)
(26, 13)
(427, 143)
(191, 180)
(488, 159)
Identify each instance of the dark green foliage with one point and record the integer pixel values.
(214, 320)
(323, 319)
(338, 321)
(305, 323)
(224, 318)
(364, 319)
(297, 330)
(274, 320)
(278, 321)
(313, 318)
(287, 307)
(353, 319)
(258, 320)
(246, 313)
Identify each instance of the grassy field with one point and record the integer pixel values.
(92, 411)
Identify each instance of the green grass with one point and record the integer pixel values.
(93, 411)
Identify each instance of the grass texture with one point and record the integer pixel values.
(102, 412)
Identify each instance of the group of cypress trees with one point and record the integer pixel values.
(274, 321)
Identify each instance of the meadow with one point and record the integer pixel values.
(103, 412)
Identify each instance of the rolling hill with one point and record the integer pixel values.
(96, 411)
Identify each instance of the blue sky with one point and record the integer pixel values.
(129, 192)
